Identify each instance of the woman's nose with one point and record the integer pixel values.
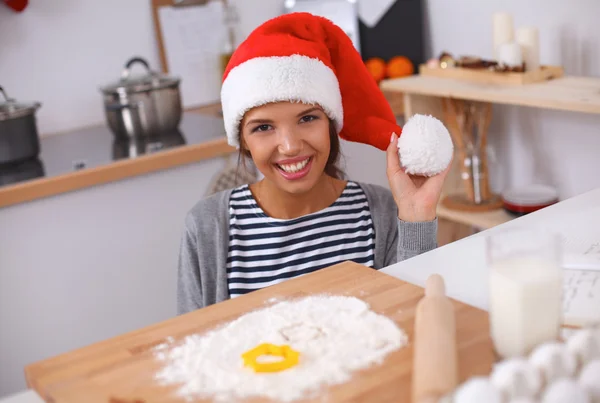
(289, 142)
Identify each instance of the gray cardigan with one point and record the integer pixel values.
(202, 272)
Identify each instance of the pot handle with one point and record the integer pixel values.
(6, 98)
(131, 62)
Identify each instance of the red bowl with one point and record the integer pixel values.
(529, 199)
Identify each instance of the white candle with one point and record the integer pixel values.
(509, 54)
(528, 39)
(502, 30)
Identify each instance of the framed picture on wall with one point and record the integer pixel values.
(343, 13)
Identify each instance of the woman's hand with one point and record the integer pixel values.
(416, 196)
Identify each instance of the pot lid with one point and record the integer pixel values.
(10, 108)
(139, 83)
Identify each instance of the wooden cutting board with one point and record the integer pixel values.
(122, 368)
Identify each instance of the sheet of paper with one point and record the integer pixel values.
(581, 297)
(579, 231)
(193, 38)
(371, 11)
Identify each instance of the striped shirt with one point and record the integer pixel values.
(264, 251)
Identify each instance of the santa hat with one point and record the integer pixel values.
(305, 58)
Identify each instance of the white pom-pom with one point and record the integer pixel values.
(477, 389)
(589, 379)
(585, 345)
(554, 361)
(425, 146)
(565, 391)
(516, 378)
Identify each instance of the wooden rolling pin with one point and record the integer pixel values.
(435, 357)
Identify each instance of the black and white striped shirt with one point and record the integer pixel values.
(264, 251)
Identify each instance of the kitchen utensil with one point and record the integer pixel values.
(124, 367)
(524, 200)
(21, 171)
(435, 357)
(143, 105)
(19, 138)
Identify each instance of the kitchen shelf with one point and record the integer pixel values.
(569, 93)
(481, 220)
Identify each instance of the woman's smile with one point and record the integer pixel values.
(296, 168)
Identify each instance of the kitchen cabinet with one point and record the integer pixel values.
(92, 263)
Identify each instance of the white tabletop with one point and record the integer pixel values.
(462, 263)
(28, 396)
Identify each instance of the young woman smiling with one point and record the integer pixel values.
(290, 91)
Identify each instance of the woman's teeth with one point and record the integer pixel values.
(294, 167)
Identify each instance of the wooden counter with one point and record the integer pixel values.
(203, 135)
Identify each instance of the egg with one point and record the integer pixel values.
(425, 146)
(516, 378)
(554, 361)
(565, 391)
(477, 389)
(585, 345)
(589, 379)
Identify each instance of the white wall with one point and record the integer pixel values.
(533, 145)
(60, 52)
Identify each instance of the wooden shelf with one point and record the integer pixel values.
(576, 94)
(484, 220)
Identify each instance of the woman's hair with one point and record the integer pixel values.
(331, 167)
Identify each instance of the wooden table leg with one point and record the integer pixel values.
(468, 123)
(408, 107)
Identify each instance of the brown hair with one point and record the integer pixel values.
(331, 167)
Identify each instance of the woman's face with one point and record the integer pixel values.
(289, 143)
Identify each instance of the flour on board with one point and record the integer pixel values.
(335, 336)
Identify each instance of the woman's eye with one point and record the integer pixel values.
(308, 118)
(261, 128)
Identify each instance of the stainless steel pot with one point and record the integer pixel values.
(19, 139)
(142, 106)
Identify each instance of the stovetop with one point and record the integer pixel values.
(96, 146)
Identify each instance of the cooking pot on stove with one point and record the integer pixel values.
(19, 139)
(21, 171)
(144, 105)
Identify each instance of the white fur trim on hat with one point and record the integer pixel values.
(263, 80)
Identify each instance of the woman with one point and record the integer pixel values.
(289, 92)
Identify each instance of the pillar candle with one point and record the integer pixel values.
(502, 30)
(510, 54)
(528, 39)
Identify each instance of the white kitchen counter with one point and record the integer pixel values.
(462, 263)
(28, 396)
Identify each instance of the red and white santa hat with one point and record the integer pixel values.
(305, 58)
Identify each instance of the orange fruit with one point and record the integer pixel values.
(400, 66)
(376, 67)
